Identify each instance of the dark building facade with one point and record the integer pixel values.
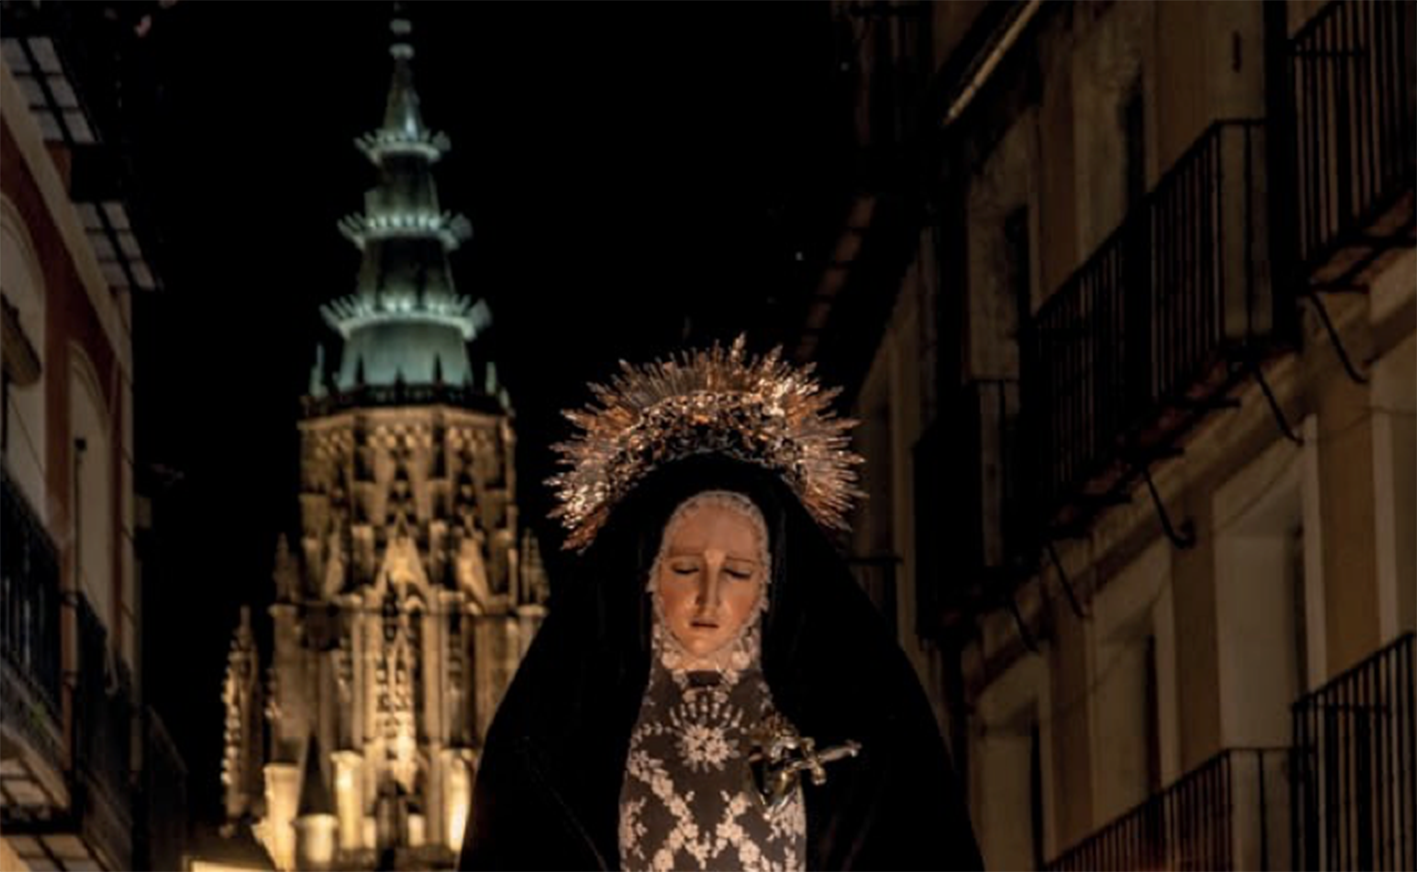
(1128, 317)
(89, 778)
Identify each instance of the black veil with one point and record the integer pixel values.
(547, 791)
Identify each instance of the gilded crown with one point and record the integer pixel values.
(760, 410)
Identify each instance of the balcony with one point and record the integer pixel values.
(84, 75)
(31, 722)
(1153, 330)
(1355, 138)
(103, 718)
(1355, 782)
(93, 829)
(1228, 813)
(969, 487)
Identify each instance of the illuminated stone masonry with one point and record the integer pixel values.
(412, 594)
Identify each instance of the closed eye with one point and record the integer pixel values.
(742, 576)
(684, 570)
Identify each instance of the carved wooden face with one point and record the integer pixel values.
(710, 578)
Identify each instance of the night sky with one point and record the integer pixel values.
(634, 173)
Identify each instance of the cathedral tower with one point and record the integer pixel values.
(412, 595)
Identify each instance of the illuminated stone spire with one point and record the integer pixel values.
(405, 322)
(412, 591)
(241, 696)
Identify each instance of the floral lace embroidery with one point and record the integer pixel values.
(685, 802)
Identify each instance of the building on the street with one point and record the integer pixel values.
(1136, 295)
(89, 778)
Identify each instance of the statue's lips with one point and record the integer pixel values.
(704, 625)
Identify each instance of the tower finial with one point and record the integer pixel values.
(404, 237)
(401, 27)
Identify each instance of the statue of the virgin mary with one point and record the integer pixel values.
(712, 690)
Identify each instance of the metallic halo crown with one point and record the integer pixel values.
(762, 411)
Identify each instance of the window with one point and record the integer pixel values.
(1134, 141)
(1128, 724)
(1010, 808)
(1018, 265)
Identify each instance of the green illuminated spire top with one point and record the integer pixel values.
(405, 322)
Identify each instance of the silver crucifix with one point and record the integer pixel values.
(778, 754)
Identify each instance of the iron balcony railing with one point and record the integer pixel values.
(92, 90)
(29, 625)
(1354, 69)
(1228, 813)
(1355, 782)
(93, 52)
(103, 717)
(93, 828)
(1130, 349)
